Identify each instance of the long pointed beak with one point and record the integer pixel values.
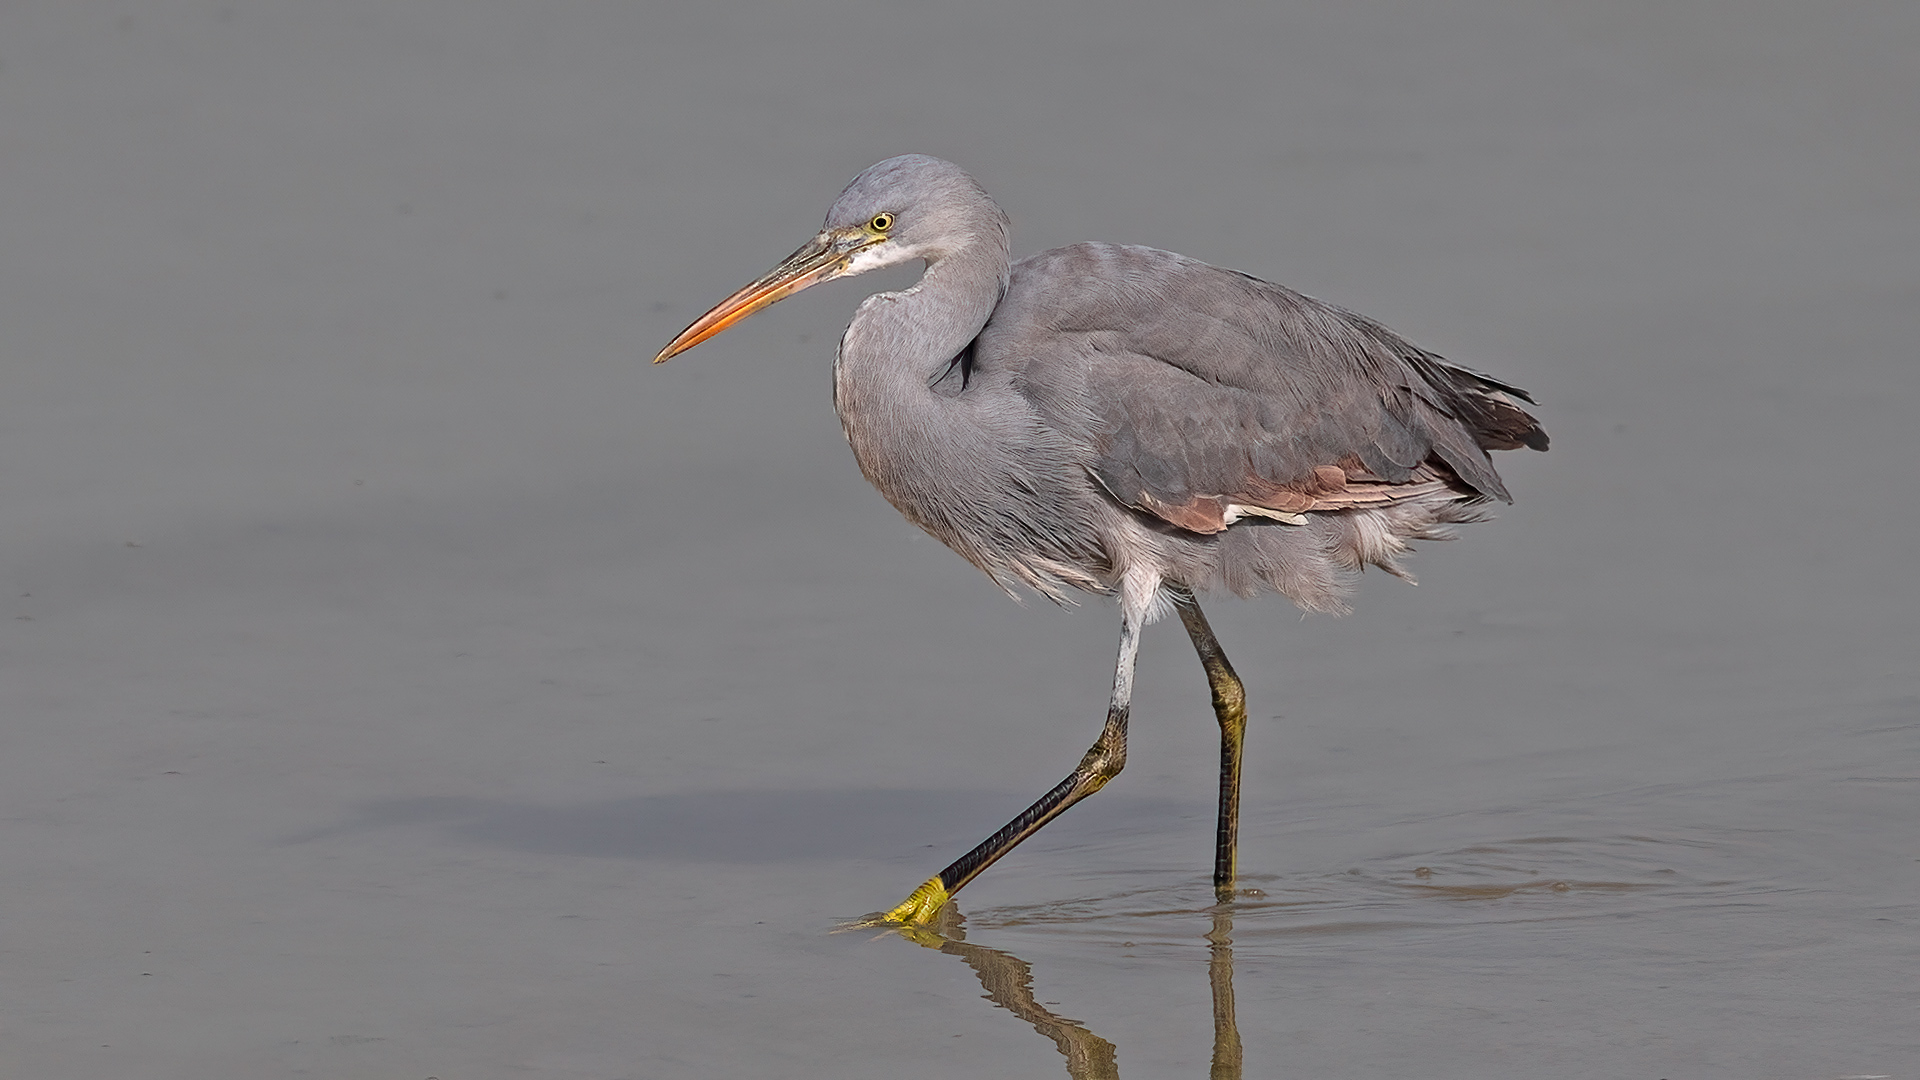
(822, 258)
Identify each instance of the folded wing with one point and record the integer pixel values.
(1209, 396)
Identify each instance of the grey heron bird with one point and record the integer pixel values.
(1134, 423)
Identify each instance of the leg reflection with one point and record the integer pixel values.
(1226, 1031)
(1008, 981)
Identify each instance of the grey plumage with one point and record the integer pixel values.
(1128, 421)
(1113, 391)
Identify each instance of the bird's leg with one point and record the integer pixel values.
(1102, 763)
(1230, 708)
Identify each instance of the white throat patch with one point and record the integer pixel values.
(882, 254)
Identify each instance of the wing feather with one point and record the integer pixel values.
(1206, 394)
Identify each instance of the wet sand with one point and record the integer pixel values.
(399, 677)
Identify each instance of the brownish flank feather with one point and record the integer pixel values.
(1327, 488)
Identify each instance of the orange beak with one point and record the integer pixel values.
(822, 258)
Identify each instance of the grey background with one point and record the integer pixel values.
(398, 677)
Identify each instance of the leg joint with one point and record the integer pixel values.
(1229, 695)
(1108, 755)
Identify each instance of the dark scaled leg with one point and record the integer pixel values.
(1102, 763)
(1230, 708)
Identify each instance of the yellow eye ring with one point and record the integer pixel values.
(881, 222)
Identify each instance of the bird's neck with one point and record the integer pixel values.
(899, 343)
(903, 433)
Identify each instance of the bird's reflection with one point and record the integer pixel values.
(1226, 1032)
(1008, 981)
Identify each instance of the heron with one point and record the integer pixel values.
(1134, 423)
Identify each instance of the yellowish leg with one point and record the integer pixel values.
(1230, 708)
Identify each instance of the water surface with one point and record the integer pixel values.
(399, 677)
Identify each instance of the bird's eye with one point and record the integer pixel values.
(881, 222)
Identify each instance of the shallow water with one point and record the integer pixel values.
(401, 678)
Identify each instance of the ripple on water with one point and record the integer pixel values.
(1527, 879)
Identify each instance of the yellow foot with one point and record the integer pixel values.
(920, 908)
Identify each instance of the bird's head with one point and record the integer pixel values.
(904, 208)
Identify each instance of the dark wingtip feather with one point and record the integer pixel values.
(1501, 425)
(1485, 404)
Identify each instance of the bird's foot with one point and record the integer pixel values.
(922, 907)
